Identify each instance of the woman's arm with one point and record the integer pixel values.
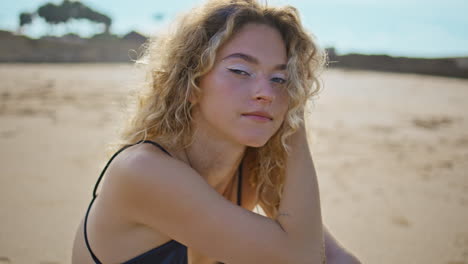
(152, 189)
(337, 254)
(299, 211)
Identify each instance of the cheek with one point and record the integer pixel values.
(283, 103)
(225, 93)
(219, 96)
(282, 108)
(221, 84)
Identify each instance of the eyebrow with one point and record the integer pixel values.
(252, 59)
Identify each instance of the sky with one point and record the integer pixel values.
(413, 28)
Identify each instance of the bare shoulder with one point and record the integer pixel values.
(158, 191)
(142, 160)
(141, 170)
(145, 163)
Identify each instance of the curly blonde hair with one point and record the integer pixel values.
(175, 61)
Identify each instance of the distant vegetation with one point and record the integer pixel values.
(450, 67)
(106, 47)
(66, 11)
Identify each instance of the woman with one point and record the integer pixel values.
(218, 131)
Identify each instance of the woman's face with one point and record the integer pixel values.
(243, 98)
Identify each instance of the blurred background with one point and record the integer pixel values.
(389, 130)
(41, 31)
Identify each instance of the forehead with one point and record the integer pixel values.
(258, 40)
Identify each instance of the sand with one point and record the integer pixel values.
(391, 152)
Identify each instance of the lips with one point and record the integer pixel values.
(259, 115)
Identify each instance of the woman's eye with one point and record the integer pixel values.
(278, 80)
(240, 72)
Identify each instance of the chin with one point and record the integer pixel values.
(255, 145)
(255, 142)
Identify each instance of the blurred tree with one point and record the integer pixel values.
(24, 19)
(53, 14)
(97, 17)
(67, 10)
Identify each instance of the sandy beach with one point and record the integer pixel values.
(391, 152)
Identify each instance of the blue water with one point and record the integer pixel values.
(431, 28)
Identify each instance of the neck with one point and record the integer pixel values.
(217, 161)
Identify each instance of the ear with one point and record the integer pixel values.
(192, 98)
(194, 93)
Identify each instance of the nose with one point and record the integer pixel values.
(264, 91)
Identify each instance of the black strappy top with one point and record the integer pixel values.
(171, 252)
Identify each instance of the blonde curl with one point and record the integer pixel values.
(175, 61)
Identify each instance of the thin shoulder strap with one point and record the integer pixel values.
(96, 260)
(117, 153)
(239, 186)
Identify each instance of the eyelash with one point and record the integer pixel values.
(240, 72)
(281, 80)
(244, 73)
